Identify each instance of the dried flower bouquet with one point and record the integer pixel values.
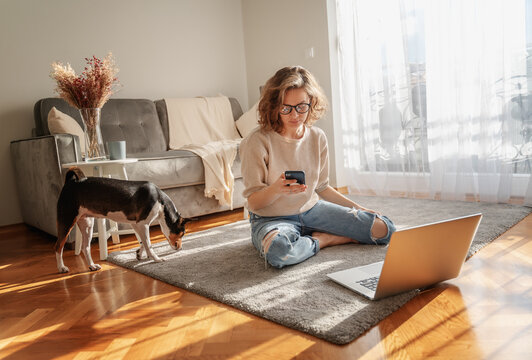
(92, 88)
(89, 90)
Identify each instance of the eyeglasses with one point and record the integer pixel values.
(300, 108)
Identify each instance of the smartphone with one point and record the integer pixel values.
(298, 175)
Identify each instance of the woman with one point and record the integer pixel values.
(289, 222)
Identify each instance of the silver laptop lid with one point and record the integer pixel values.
(425, 255)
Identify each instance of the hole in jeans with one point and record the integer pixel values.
(267, 242)
(379, 229)
(268, 239)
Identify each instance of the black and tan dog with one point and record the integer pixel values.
(138, 203)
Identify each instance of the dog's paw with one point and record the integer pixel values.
(63, 269)
(158, 259)
(139, 254)
(94, 267)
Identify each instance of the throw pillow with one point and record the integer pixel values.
(61, 123)
(248, 121)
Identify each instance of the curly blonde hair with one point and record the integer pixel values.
(287, 78)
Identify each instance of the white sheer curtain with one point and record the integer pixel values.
(434, 97)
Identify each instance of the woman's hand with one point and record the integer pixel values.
(287, 187)
(369, 210)
(332, 195)
(269, 194)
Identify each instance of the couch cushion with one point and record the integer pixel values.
(133, 120)
(172, 168)
(136, 122)
(42, 109)
(61, 123)
(248, 121)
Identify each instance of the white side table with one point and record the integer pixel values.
(103, 168)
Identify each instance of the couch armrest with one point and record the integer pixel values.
(37, 164)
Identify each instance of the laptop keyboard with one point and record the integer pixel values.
(370, 283)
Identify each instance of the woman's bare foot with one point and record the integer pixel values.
(325, 239)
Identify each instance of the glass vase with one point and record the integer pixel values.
(94, 147)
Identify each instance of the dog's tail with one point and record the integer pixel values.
(74, 174)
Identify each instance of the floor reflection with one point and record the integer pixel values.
(436, 323)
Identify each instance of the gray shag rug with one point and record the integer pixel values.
(222, 264)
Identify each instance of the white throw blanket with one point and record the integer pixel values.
(206, 127)
(218, 158)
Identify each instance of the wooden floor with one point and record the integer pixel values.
(118, 314)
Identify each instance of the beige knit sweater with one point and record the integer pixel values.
(265, 155)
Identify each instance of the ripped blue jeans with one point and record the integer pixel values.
(287, 240)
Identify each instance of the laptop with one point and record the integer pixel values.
(417, 257)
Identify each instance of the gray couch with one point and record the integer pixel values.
(143, 124)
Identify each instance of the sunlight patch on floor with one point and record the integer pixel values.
(18, 331)
(282, 344)
(173, 296)
(31, 284)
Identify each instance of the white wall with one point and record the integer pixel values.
(277, 33)
(164, 48)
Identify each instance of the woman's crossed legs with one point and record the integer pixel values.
(288, 240)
